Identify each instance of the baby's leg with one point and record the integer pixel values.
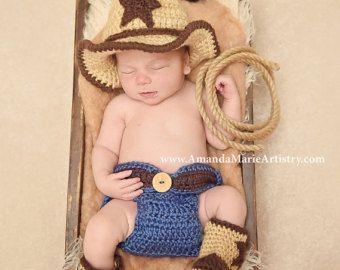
(111, 225)
(222, 212)
(224, 203)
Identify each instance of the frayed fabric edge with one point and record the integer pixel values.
(73, 255)
(252, 260)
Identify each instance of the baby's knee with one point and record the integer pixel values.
(97, 227)
(229, 203)
(230, 195)
(105, 230)
(97, 242)
(124, 213)
(113, 222)
(97, 234)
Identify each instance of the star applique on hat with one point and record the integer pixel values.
(139, 9)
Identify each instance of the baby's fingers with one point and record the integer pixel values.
(132, 195)
(132, 188)
(128, 182)
(122, 174)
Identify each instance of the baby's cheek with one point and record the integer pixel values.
(128, 87)
(174, 77)
(128, 81)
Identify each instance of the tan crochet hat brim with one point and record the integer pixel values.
(97, 65)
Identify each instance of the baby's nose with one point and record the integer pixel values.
(142, 79)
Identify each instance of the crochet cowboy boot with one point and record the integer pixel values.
(223, 246)
(86, 266)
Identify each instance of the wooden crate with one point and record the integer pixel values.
(77, 151)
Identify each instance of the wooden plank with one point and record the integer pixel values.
(77, 145)
(249, 181)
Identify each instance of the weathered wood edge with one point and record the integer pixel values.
(249, 181)
(77, 144)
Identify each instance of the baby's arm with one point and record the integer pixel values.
(226, 86)
(106, 151)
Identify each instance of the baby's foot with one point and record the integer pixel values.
(223, 247)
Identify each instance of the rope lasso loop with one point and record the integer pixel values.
(245, 131)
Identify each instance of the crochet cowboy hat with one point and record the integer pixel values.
(147, 25)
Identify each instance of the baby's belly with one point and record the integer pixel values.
(168, 151)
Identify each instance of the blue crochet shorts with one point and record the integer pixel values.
(167, 223)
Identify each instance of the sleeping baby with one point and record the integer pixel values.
(152, 207)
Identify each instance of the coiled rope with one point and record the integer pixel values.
(245, 131)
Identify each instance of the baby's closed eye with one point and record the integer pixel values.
(159, 66)
(127, 71)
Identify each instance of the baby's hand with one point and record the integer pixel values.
(226, 86)
(117, 186)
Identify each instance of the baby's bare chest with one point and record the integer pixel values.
(163, 131)
(166, 121)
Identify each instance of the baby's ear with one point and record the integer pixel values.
(187, 68)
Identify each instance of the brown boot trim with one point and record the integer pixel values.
(118, 264)
(84, 263)
(229, 225)
(210, 262)
(242, 248)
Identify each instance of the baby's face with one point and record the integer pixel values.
(152, 77)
